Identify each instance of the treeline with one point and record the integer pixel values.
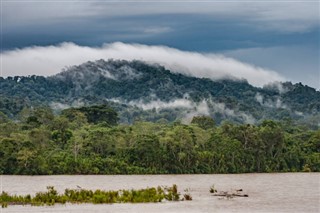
(88, 140)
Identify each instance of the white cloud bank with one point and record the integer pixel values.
(50, 60)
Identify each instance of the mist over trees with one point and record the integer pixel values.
(140, 91)
(120, 117)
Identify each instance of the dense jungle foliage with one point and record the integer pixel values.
(88, 140)
(130, 86)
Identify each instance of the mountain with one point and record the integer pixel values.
(138, 90)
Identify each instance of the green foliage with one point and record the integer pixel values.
(204, 122)
(212, 189)
(94, 114)
(65, 145)
(3, 118)
(51, 196)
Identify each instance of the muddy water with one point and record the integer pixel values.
(279, 192)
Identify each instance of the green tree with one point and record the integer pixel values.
(205, 122)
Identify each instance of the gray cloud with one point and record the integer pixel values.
(281, 16)
(50, 60)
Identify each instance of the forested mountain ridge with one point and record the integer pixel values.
(138, 90)
(90, 100)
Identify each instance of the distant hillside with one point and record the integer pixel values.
(140, 91)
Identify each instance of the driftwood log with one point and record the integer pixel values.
(236, 193)
(231, 195)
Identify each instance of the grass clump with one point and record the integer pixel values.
(187, 195)
(51, 196)
(213, 189)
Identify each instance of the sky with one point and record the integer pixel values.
(261, 41)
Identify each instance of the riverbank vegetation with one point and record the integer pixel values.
(51, 196)
(89, 141)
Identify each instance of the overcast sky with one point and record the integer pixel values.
(280, 36)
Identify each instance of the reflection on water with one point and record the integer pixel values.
(280, 192)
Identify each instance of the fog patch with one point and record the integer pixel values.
(276, 86)
(191, 109)
(298, 113)
(106, 73)
(259, 98)
(201, 108)
(158, 104)
(58, 106)
(222, 109)
(267, 102)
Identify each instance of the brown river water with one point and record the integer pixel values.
(274, 192)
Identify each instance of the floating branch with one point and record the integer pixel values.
(227, 194)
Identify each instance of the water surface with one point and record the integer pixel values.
(277, 192)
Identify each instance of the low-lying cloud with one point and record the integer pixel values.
(158, 104)
(277, 103)
(191, 109)
(57, 106)
(50, 60)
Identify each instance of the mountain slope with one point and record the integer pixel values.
(150, 92)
